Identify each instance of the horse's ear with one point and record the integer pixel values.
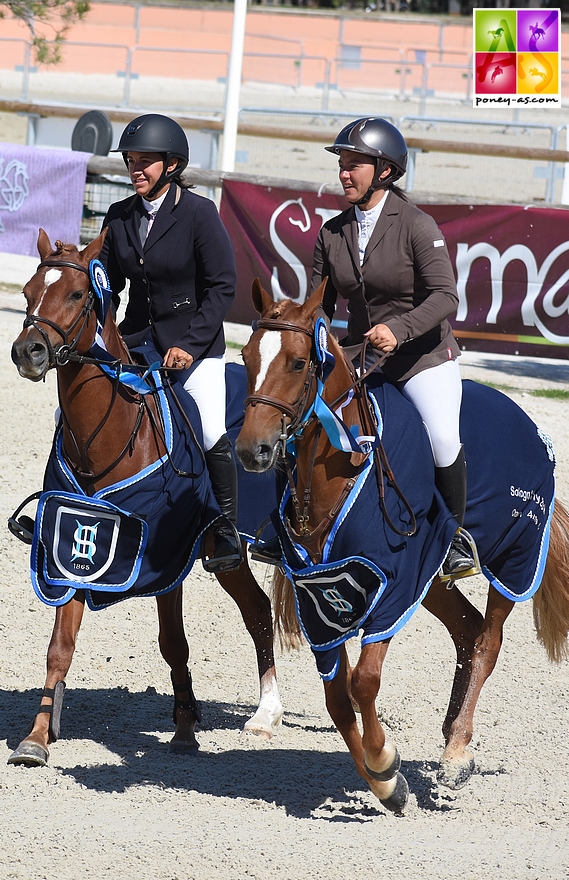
(261, 299)
(93, 249)
(44, 245)
(314, 301)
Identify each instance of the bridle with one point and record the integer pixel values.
(295, 410)
(301, 415)
(67, 351)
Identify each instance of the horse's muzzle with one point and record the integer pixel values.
(31, 358)
(258, 458)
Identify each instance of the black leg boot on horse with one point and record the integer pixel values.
(462, 558)
(227, 554)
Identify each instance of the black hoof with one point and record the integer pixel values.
(30, 755)
(398, 799)
(181, 748)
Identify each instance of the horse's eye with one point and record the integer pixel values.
(78, 294)
(298, 365)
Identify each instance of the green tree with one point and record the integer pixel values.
(48, 22)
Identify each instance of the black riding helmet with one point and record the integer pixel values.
(154, 133)
(379, 139)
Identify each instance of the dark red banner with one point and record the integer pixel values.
(511, 263)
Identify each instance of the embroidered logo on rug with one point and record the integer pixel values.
(333, 600)
(84, 545)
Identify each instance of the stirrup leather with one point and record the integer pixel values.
(469, 572)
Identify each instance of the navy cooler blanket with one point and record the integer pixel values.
(511, 489)
(139, 537)
(372, 579)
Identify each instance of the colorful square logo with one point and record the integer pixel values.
(516, 57)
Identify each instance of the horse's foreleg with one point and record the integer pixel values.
(464, 624)
(33, 750)
(255, 608)
(457, 762)
(176, 652)
(377, 761)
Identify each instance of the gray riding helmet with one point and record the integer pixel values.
(378, 138)
(154, 133)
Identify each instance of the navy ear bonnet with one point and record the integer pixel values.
(101, 288)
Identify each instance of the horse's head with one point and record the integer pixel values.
(279, 359)
(59, 314)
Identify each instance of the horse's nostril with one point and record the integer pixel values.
(264, 453)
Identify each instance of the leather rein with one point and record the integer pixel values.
(67, 352)
(295, 412)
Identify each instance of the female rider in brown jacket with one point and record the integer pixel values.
(390, 261)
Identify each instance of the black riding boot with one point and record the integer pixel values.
(222, 469)
(451, 483)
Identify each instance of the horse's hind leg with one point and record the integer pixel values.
(457, 762)
(176, 652)
(255, 608)
(376, 760)
(464, 624)
(33, 750)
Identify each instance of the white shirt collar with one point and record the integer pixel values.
(154, 206)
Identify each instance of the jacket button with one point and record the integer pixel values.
(141, 261)
(144, 281)
(147, 299)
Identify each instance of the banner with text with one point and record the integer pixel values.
(511, 264)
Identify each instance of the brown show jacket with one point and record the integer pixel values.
(405, 282)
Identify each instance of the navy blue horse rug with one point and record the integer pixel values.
(139, 537)
(373, 579)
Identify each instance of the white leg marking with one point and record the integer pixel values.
(267, 718)
(269, 347)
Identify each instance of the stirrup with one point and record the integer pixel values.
(225, 531)
(469, 572)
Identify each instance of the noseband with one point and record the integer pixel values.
(60, 355)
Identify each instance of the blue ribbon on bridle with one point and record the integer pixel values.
(342, 437)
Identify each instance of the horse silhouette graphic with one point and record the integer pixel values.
(13, 186)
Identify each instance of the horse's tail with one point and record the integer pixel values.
(284, 612)
(551, 601)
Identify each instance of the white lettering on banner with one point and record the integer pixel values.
(13, 186)
(465, 257)
(286, 254)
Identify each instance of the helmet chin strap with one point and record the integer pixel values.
(165, 177)
(377, 182)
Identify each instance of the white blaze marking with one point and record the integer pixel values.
(51, 276)
(269, 347)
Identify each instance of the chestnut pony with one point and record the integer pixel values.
(279, 358)
(98, 422)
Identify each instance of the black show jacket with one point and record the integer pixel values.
(182, 282)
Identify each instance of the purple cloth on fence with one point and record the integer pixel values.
(40, 187)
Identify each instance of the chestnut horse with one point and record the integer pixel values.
(282, 364)
(98, 438)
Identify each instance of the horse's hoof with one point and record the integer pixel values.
(388, 773)
(264, 729)
(29, 754)
(455, 774)
(397, 800)
(179, 747)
